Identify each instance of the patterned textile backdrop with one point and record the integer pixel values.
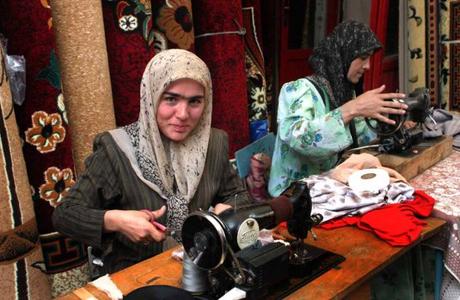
(449, 13)
(424, 49)
(173, 25)
(270, 23)
(255, 69)
(433, 58)
(130, 45)
(42, 122)
(136, 30)
(416, 36)
(19, 247)
(455, 56)
(223, 52)
(444, 76)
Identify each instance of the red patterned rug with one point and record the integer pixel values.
(433, 60)
(224, 55)
(255, 70)
(42, 122)
(130, 46)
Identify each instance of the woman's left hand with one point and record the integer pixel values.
(220, 207)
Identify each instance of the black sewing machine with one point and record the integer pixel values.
(396, 138)
(225, 249)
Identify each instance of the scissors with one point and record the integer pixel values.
(161, 227)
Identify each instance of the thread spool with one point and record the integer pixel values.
(369, 180)
(194, 279)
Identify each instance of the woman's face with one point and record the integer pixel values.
(180, 109)
(357, 68)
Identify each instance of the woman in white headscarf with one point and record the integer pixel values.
(167, 164)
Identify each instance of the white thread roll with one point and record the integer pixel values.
(369, 180)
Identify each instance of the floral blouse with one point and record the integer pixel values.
(310, 136)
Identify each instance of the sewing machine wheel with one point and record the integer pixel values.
(204, 240)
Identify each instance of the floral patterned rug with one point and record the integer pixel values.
(442, 182)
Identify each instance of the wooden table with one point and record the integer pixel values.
(420, 157)
(365, 256)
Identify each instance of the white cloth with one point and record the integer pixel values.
(106, 285)
(234, 294)
(332, 198)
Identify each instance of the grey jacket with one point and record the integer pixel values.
(109, 182)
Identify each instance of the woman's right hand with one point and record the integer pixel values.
(134, 224)
(373, 104)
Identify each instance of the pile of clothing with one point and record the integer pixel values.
(393, 213)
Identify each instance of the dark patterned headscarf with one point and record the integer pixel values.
(332, 58)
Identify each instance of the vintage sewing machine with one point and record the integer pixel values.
(225, 249)
(396, 138)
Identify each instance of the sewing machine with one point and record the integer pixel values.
(396, 138)
(225, 250)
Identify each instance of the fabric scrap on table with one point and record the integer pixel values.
(106, 285)
(398, 224)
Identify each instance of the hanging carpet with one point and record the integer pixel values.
(218, 43)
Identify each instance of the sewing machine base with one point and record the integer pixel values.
(401, 142)
(419, 158)
(319, 261)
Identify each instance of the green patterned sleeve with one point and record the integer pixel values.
(365, 134)
(305, 126)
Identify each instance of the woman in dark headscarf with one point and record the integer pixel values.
(317, 114)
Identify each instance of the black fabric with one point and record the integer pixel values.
(353, 134)
(332, 58)
(159, 292)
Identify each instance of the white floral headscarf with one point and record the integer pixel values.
(175, 173)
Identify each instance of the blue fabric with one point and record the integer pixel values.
(258, 129)
(243, 156)
(438, 274)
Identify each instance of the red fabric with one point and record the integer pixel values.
(128, 53)
(397, 224)
(224, 55)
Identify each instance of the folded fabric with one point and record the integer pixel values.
(358, 162)
(397, 224)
